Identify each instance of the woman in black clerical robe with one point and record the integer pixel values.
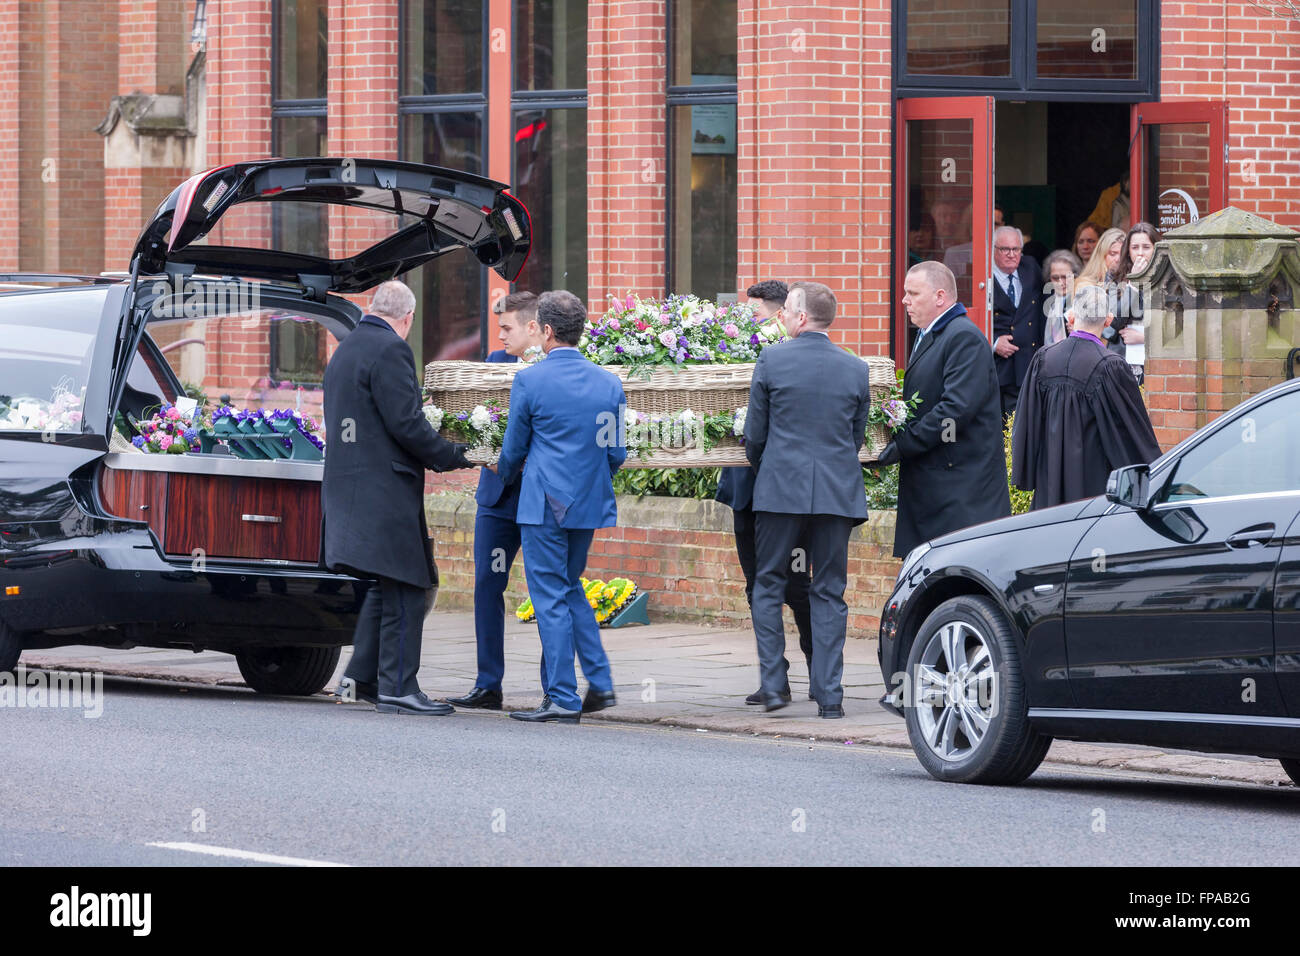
(1080, 414)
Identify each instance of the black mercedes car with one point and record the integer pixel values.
(1166, 612)
(236, 287)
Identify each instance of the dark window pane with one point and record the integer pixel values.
(449, 290)
(702, 184)
(971, 38)
(1095, 40)
(551, 180)
(704, 42)
(442, 47)
(550, 38)
(303, 51)
(940, 161)
(300, 227)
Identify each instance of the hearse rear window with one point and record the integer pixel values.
(46, 346)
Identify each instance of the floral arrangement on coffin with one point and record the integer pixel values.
(606, 599)
(680, 330)
(62, 413)
(892, 411)
(482, 428)
(646, 434)
(279, 432)
(170, 432)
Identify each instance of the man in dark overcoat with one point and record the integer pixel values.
(379, 444)
(952, 471)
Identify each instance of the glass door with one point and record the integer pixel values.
(943, 203)
(1179, 168)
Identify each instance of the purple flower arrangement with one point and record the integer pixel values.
(169, 432)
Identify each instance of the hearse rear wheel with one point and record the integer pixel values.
(287, 670)
(967, 713)
(10, 648)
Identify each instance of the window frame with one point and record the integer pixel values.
(675, 96)
(1024, 82)
(450, 103)
(555, 99)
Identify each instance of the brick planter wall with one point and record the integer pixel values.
(681, 550)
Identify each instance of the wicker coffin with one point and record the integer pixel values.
(705, 389)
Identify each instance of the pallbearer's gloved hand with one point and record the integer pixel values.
(890, 456)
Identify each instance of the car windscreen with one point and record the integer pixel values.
(46, 350)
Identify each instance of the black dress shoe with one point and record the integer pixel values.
(830, 713)
(417, 704)
(775, 701)
(479, 699)
(597, 700)
(548, 711)
(757, 696)
(350, 691)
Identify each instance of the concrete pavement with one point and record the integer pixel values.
(671, 674)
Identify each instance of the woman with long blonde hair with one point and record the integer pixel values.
(1103, 265)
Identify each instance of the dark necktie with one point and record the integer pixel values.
(1011, 289)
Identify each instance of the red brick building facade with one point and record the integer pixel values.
(663, 145)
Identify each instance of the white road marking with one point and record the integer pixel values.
(243, 854)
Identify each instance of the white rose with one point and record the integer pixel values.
(738, 427)
(480, 418)
(434, 415)
(688, 416)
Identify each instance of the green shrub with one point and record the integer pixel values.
(667, 482)
(1020, 500)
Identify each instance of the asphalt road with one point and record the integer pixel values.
(309, 780)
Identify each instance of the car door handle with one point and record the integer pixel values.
(1250, 537)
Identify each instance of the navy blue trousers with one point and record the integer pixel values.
(496, 542)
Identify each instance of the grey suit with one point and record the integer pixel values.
(808, 405)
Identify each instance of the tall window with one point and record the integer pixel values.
(702, 147)
(299, 86)
(442, 110)
(549, 105)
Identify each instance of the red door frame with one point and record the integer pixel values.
(1214, 113)
(979, 110)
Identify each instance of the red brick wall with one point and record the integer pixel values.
(10, 134)
(1239, 52)
(692, 575)
(815, 134)
(626, 143)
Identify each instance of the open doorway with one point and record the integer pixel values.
(1053, 163)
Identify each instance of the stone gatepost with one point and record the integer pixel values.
(1221, 318)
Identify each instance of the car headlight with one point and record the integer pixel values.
(913, 558)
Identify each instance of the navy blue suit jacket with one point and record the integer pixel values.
(494, 497)
(736, 488)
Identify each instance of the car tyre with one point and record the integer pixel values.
(1292, 768)
(10, 649)
(288, 670)
(967, 710)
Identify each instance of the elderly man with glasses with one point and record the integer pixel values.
(1018, 320)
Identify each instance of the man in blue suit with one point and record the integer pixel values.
(566, 419)
(736, 491)
(496, 536)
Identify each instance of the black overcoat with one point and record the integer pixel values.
(953, 469)
(378, 444)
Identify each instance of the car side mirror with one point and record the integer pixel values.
(1130, 486)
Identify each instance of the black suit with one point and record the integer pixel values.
(373, 497)
(953, 468)
(1025, 323)
(808, 406)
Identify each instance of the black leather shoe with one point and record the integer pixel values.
(418, 704)
(548, 711)
(479, 699)
(757, 696)
(830, 713)
(597, 700)
(775, 701)
(350, 691)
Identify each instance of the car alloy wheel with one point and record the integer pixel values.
(956, 689)
(967, 716)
